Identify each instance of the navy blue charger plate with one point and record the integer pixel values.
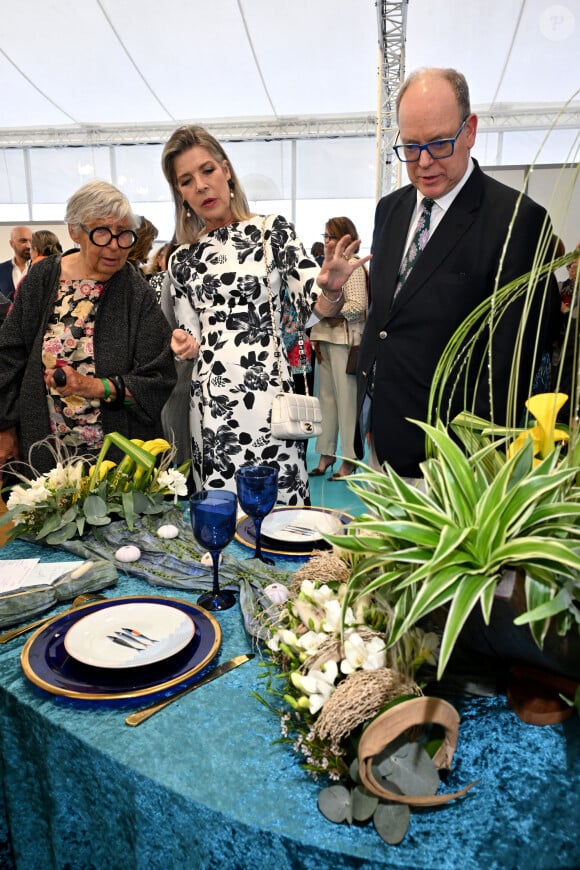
(47, 664)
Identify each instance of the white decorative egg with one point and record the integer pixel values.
(168, 531)
(277, 593)
(128, 553)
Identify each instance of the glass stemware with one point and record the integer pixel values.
(213, 519)
(257, 494)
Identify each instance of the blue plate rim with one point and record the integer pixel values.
(49, 639)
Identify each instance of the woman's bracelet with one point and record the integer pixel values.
(333, 301)
(107, 389)
(119, 385)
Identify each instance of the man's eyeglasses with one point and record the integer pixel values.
(438, 149)
(102, 236)
(328, 238)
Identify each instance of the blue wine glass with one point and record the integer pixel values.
(213, 519)
(257, 494)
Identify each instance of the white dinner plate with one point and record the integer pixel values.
(144, 633)
(301, 526)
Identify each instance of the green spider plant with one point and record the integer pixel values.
(449, 545)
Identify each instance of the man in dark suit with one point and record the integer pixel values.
(407, 329)
(11, 271)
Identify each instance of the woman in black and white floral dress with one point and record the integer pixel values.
(222, 309)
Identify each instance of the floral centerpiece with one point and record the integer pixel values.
(130, 514)
(60, 504)
(332, 673)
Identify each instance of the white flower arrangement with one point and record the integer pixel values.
(75, 496)
(315, 646)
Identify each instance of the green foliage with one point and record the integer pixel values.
(480, 513)
(72, 498)
(402, 768)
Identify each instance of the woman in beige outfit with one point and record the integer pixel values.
(332, 338)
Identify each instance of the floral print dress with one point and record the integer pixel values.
(69, 338)
(220, 295)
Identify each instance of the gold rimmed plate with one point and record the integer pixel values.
(294, 545)
(47, 664)
(130, 635)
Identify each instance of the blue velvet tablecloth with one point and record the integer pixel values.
(203, 785)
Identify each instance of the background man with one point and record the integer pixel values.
(414, 309)
(11, 271)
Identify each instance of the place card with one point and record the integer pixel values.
(17, 574)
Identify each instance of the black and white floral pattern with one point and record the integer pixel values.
(220, 294)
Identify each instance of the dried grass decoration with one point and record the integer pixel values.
(359, 698)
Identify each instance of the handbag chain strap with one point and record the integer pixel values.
(278, 348)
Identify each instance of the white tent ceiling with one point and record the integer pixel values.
(94, 65)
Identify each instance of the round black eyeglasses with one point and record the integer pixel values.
(102, 236)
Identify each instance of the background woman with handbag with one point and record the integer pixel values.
(333, 337)
(220, 279)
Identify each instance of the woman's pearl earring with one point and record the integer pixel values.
(187, 209)
(231, 187)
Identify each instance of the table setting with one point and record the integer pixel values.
(141, 647)
(213, 780)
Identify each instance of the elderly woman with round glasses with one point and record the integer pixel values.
(86, 349)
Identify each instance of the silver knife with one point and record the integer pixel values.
(142, 715)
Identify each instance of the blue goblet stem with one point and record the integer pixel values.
(215, 558)
(258, 528)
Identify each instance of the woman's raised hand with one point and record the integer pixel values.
(336, 269)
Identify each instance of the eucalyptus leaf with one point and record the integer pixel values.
(153, 507)
(69, 515)
(382, 764)
(335, 804)
(141, 502)
(98, 521)
(94, 507)
(391, 822)
(353, 771)
(62, 535)
(364, 804)
(53, 523)
(411, 769)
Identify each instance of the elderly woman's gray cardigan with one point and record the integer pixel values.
(131, 339)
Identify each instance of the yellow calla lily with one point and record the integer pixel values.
(544, 407)
(104, 469)
(156, 446)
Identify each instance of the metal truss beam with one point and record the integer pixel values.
(383, 126)
(502, 117)
(392, 25)
(248, 129)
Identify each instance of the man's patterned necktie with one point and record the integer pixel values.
(417, 244)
